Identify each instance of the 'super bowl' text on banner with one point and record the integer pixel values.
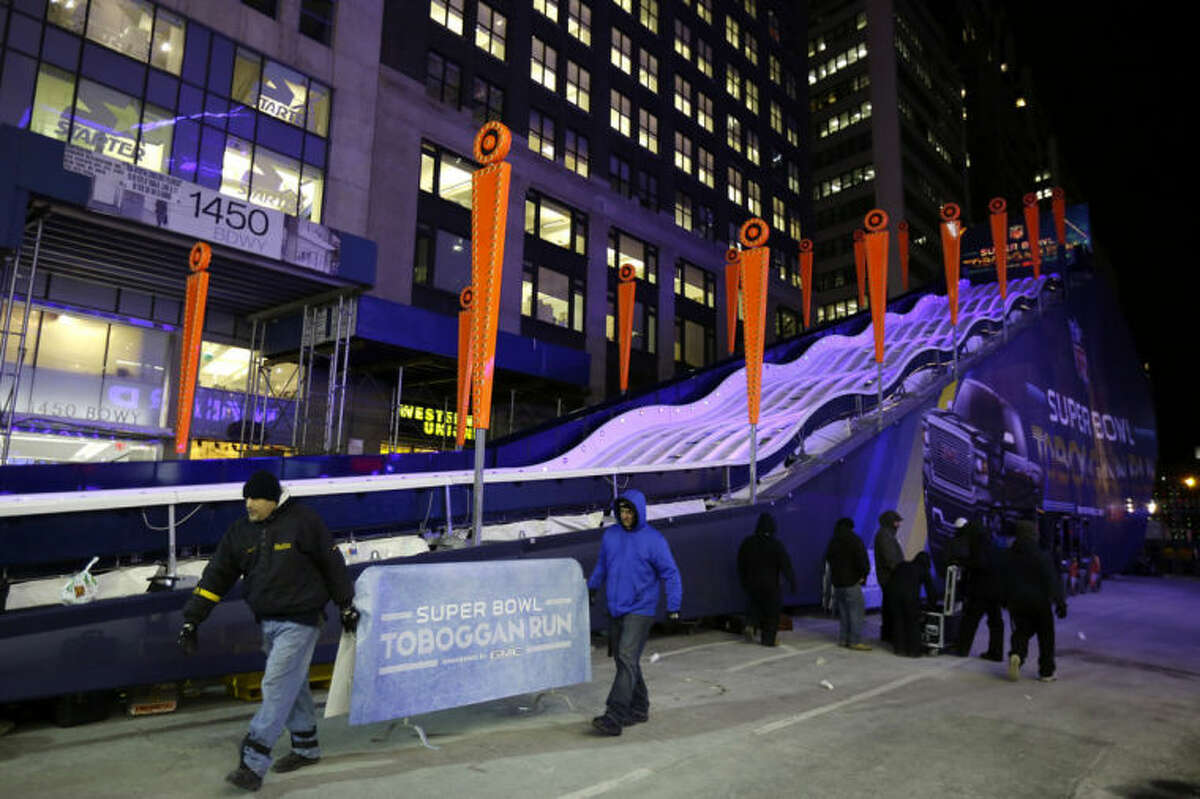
(435, 636)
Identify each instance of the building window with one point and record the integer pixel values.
(645, 320)
(487, 101)
(491, 30)
(753, 198)
(621, 52)
(135, 28)
(695, 343)
(280, 92)
(751, 96)
(683, 153)
(704, 10)
(446, 174)
(543, 65)
(443, 79)
(704, 111)
(316, 20)
(575, 153)
(793, 177)
(733, 32)
(750, 49)
(775, 69)
(579, 86)
(704, 167)
(848, 179)
(547, 8)
(787, 322)
(624, 5)
(794, 226)
(704, 58)
(733, 133)
(778, 214)
(683, 210)
(262, 6)
(776, 118)
(648, 14)
(648, 70)
(448, 14)
(647, 190)
(706, 222)
(836, 63)
(695, 284)
(734, 191)
(555, 222)
(683, 40)
(683, 96)
(619, 176)
(793, 132)
(625, 249)
(442, 260)
(620, 115)
(548, 295)
(841, 121)
(752, 147)
(541, 134)
(647, 130)
(733, 82)
(579, 21)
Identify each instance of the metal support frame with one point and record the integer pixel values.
(9, 408)
(394, 418)
(753, 464)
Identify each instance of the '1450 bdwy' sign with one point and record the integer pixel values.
(435, 636)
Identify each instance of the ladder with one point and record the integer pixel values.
(18, 277)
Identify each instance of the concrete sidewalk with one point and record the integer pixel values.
(729, 718)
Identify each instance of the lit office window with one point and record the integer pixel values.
(648, 130)
(734, 191)
(642, 256)
(683, 40)
(575, 153)
(733, 82)
(775, 69)
(621, 52)
(51, 115)
(683, 153)
(579, 86)
(448, 14)
(648, 70)
(123, 25)
(753, 198)
(778, 214)
(752, 147)
(548, 295)
(555, 222)
(579, 21)
(542, 65)
(235, 168)
(704, 111)
(751, 96)
(648, 14)
(683, 96)
(705, 169)
(704, 58)
(683, 210)
(166, 47)
(750, 49)
(541, 134)
(704, 10)
(733, 32)
(491, 31)
(547, 8)
(624, 5)
(733, 133)
(620, 115)
(106, 121)
(776, 117)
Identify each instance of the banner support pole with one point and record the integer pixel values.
(172, 564)
(477, 494)
(879, 401)
(753, 463)
(954, 342)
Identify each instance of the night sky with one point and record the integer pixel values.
(1117, 89)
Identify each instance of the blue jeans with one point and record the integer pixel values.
(286, 699)
(850, 610)
(628, 697)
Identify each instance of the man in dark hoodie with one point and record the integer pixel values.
(762, 559)
(983, 589)
(290, 569)
(634, 559)
(905, 584)
(888, 555)
(848, 569)
(1032, 587)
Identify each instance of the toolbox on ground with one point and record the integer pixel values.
(939, 628)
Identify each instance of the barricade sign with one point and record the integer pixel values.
(441, 635)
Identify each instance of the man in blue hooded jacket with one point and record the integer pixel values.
(634, 559)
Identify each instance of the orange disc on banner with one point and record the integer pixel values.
(754, 232)
(466, 297)
(806, 245)
(626, 273)
(876, 220)
(1029, 200)
(950, 212)
(732, 256)
(199, 257)
(492, 143)
(997, 204)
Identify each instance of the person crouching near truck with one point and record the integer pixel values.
(634, 559)
(290, 569)
(849, 567)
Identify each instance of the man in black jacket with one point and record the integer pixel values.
(762, 559)
(1033, 585)
(848, 570)
(905, 586)
(983, 590)
(888, 555)
(290, 569)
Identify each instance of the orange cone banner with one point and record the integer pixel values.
(626, 293)
(465, 364)
(998, 209)
(806, 266)
(860, 268)
(755, 273)
(952, 231)
(902, 238)
(1058, 200)
(1031, 232)
(489, 214)
(733, 280)
(876, 246)
(193, 332)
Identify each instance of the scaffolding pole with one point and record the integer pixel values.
(10, 404)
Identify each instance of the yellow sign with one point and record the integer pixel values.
(434, 421)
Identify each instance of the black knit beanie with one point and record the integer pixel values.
(262, 485)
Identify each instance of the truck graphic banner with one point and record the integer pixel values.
(435, 636)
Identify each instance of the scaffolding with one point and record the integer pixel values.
(15, 273)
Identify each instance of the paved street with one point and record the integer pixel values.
(730, 719)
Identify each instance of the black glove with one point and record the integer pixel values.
(1060, 610)
(673, 615)
(349, 619)
(188, 640)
